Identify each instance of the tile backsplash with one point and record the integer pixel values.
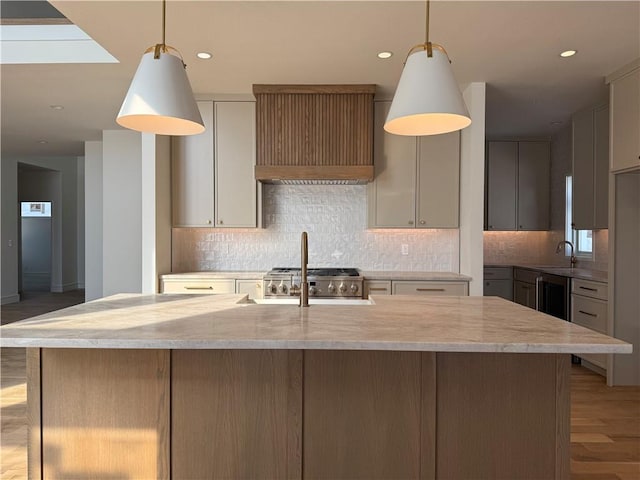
(335, 216)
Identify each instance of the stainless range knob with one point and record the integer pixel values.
(271, 288)
(331, 288)
(282, 288)
(342, 288)
(313, 290)
(354, 288)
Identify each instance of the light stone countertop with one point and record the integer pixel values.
(415, 276)
(237, 274)
(576, 272)
(402, 323)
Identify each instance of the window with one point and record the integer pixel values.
(582, 239)
(35, 209)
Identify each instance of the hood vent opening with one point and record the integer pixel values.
(314, 134)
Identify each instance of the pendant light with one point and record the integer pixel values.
(427, 100)
(160, 99)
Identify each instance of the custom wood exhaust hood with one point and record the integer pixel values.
(314, 134)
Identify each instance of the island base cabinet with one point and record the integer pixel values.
(297, 414)
(236, 414)
(104, 414)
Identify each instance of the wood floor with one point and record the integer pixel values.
(605, 421)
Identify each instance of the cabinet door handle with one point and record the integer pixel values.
(208, 222)
(220, 222)
(410, 222)
(588, 313)
(486, 274)
(590, 289)
(199, 288)
(429, 289)
(378, 289)
(423, 222)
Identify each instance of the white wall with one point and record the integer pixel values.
(122, 212)
(80, 218)
(93, 220)
(156, 210)
(472, 188)
(9, 232)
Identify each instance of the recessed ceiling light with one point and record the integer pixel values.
(42, 142)
(568, 53)
(204, 55)
(385, 54)
(56, 107)
(555, 123)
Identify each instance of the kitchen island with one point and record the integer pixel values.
(211, 386)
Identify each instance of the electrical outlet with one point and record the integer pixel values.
(404, 248)
(10, 243)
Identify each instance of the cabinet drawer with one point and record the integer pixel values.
(588, 288)
(499, 288)
(377, 287)
(252, 288)
(589, 313)
(498, 273)
(524, 275)
(404, 287)
(199, 286)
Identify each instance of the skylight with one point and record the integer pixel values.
(23, 44)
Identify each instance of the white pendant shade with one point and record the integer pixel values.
(427, 100)
(160, 99)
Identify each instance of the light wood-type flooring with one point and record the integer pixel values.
(605, 421)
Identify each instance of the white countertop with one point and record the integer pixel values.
(403, 323)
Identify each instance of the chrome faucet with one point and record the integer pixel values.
(559, 249)
(304, 259)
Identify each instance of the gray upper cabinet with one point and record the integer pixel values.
(517, 186)
(590, 192)
(212, 173)
(502, 172)
(192, 187)
(417, 179)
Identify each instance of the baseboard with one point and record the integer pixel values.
(64, 288)
(10, 299)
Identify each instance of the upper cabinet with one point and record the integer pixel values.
(212, 173)
(517, 186)
(417, 179)
(624, 99)
(192, 175)
(590, 192)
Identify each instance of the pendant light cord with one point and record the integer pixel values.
(426, 40)
(162, 47)
(164, 15)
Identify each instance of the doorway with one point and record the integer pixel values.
(35, 246)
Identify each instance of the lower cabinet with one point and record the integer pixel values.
(524, 293)
(376, 287)
(407, 287)
(498, 282)
(252, 288)
(589, 309)
(198, 286)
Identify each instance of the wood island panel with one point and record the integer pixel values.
(105, 413)
(236, 414)
(497, 416)
(361, 414)
(34, 416)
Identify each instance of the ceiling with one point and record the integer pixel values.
(513, 46)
